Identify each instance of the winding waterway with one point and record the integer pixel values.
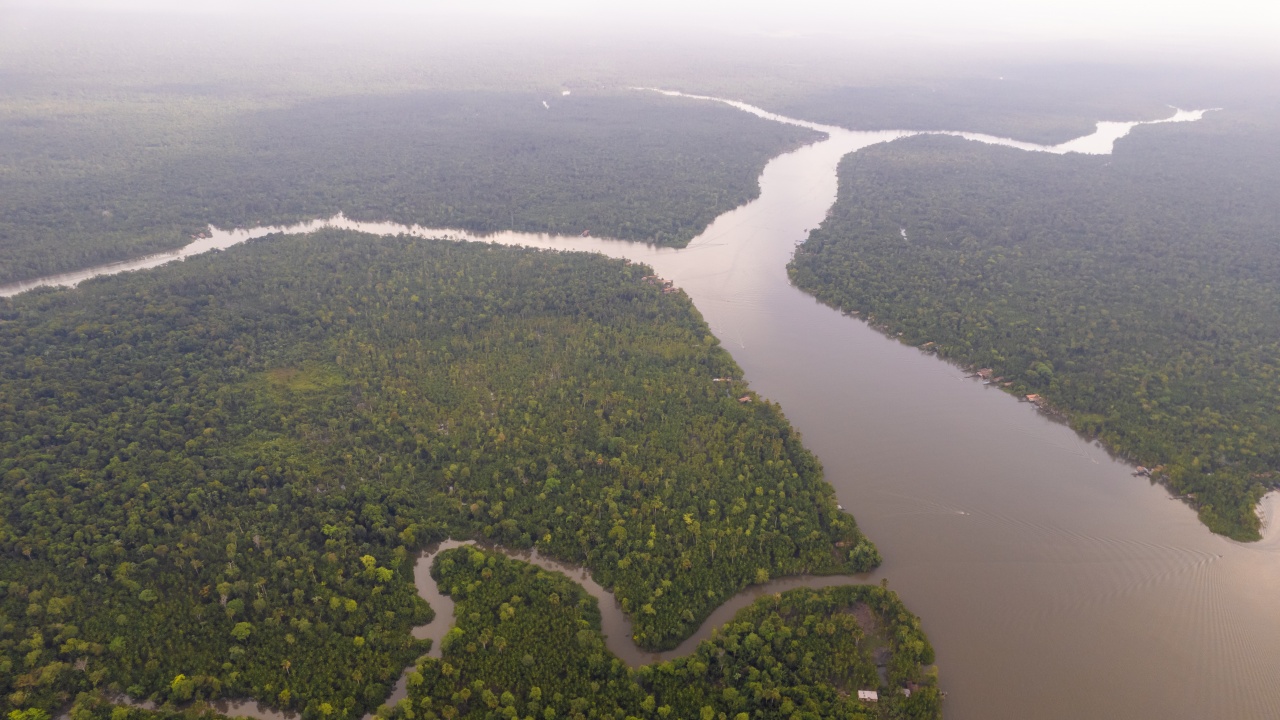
(1052, 582)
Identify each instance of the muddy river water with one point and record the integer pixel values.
(1053, 583)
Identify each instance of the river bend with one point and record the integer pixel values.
(1053, 583)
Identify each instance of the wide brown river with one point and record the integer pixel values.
(1053, 583)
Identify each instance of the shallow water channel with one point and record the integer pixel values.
(1053, 583)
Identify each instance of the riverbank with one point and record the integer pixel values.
(538, 630)
(1002, 266)
(1100, 142)
(1039, 565)
(615, 626)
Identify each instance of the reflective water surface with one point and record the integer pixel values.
(1053, 583)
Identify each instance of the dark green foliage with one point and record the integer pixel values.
(217, 469)
(1137, 292)
(633, 166)
(519, 628)
(527, 644)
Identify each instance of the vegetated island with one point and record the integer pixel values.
(216, 474)
(625, 165)
(1133, 293)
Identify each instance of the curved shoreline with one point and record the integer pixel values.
(1100, 142)
(619, 642)
(614, 623)
(1073, 548)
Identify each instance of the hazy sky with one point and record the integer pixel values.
(1108, 20)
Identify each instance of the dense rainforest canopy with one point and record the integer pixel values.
(527, 644)
(1135, 292)
(629, 165)
(212, 474)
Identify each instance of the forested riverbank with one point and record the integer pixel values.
(527, 643)
(622, 165)
(1041, 103)
(1135, 293)
(214, 472)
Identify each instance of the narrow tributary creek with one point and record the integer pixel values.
(1052, 582)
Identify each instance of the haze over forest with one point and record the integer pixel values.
(724, 389)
